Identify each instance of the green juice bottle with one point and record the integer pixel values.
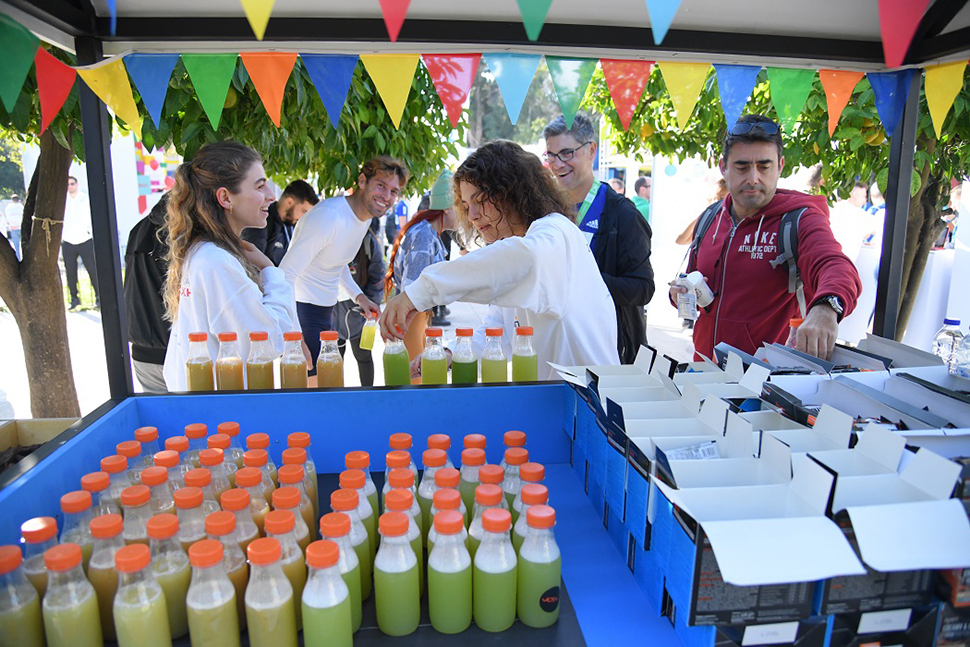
(487, 497)
(529, 472)
(270, 603)
(450, 575)
(446, 498)
(539, 570)
(471, 460)
(531, 494)
(397, 364)
(515, 457)
(361, 461)
(171, 568)
(400, 500)
(211, 598)
(464, 363)
(396, 588)
(525, 362)
(434, 361)
(355, 479)
(346, 501)
(433, 460)
(336, 527)
(495, 365)
(494, 581)
(327, 616)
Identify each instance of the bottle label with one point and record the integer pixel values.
(549, 600)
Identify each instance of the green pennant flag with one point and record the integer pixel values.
(534, 16)
(20, 47)
(570, 77)
(789, 90)
(211, 75)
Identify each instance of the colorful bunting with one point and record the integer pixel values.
(838, 85)
(392, 75)
(890, 90)
(211, 75)
(394, 12)
(269, 72)
(898, 20)
(19, 48)
(513, 74)
(258, 13)
(662, 14)
(331, 75)
(943, 84)
(684, 82)
(110, 82)
(570, 77)
(534, 16)
(151, 74)
(789, 91)
(626, 81)
(54, 83)
(453, 75)
(734, 84)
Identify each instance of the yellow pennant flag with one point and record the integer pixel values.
(392, 75)
(257, 13)
(943, 84)
(110, 82)
(684, 82)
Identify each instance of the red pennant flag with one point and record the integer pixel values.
(453, 75)
(626, 80)
(838, 85)
(898, 20)
(394, 13)
(269, 72)
(54, 83)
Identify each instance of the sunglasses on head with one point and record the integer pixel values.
(767, 127)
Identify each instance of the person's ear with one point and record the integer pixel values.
(722, 164)
(592, 149)
(224, 198)
(781, 164)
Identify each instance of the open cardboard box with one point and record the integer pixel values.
(878, 451)
(903, 356)
(950, 407)
(23, 433)
(768, 420)
(749, 385)
(832, 430)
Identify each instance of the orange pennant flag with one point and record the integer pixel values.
(626, 80)
(269, 72)
(838, 85)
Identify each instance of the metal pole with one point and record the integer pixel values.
(97, 153)
(901, 151)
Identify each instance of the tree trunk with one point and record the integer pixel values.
(33, 292)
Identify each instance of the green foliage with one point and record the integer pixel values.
(11, 169)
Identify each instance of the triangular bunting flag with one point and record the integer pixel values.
(112, 17)
(394, 13)
(626, 80)
(734, 84)
(54, 83)
(838, 85)
(513, 74)
(534, 16)
(211, 75)
(789, 91)
(890, 90)
(392, 75)
(453, 75)
(110, 82)
(943, 83)
(570, 77)
(684, 82)
(269, 72)
(331, 75)
(258, 13)
(898, 21)
(19, 49)
(151, 74)
(662, 13)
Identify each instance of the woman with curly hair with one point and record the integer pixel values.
(535, 269)
(216, 281)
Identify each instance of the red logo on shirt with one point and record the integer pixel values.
(185, 292)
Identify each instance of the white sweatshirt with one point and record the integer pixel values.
(547, 279)
(218, 296)
(325, 240)
(77, 219)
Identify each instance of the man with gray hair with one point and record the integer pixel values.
(617, 234)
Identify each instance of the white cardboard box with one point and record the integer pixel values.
(878, 451)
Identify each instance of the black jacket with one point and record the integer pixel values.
(274, 238)
(621, 247)
(367, 268)
(145, 269)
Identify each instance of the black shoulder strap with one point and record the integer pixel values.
(700, 228)
(788, 255)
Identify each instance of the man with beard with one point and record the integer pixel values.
(274, 239)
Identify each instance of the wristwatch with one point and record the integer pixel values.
(833, 302)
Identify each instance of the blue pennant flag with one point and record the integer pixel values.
(113, 14)
(331, 75)
(890, 90)
(514, 74)
(151, 74)
(661, 13)
(734, 84)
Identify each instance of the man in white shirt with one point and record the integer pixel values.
(14, 215)
(327, 238)
(77, 241)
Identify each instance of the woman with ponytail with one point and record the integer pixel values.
(216, 281)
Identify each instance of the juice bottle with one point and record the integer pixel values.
(515, 458)
(401, 442)
(198, 367)
(169, 460)
(196, 433)
(474, 441)
(442, 442)
(20, 621)
(464, 363)
(471, 460)
(76, 507)
(261, 441)
(446, 499)
(170, 566)
(330, 365)
(279, 526)
(403, 501)
(293, 476)
(492, 475)
(368, 334)
(529, 472)
(131, 450)
(70, 606)
(293, 371)
(495, 365)
(327, 620)
(270, 604)
(434, 360)
(402, 479)
(39, 534)
(448, 478)
(531, 494)
(136, 503)
(346, 501)
(433, 460)
(106, 530)
(335, 526)
(236, 501)
(396, 587)
(229, 364)
(355, 480)
(525, 362)
(222, 441)
(494, 581)
(213, 460)
(397, 462)
(180, 444)
(288, 498)
(222, 526)
(148, 437)
(202, 479)
(539, 570)
(117, 469)
(97, 483)
(141, 615)
(251, 480)
(512, 439)
(191, 516)
(450, 575)
(397, 365)
(231, 429)
(299, 456)
(361, 461)
(487, 497)
(156, 479)
(211, 599)
(259, 459)
(259, 365)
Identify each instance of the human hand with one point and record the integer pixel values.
(817, 334)
(370, 309)
(397, 316)
(254, 256)
(416, 366)
(676, 289)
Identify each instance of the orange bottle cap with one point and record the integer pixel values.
(491, 474)
(401, 440)
(220, 523)
(295, 335)
(432, 332)
(234, 499)
(154, 475)
(516, 455)
(257, 441)
(488, 494)
(162, 526)
(249, 477)
(187, 497)
(286, 497)
(357, 460)
(290, 474)
(198, 336)
(447, 477)
(38, 529)
(64, 557)
(196, 430)
(106, 526)
(540, 516)
(352, 479)
(258, 335)
(514, 439)
(205, 552)
(473, 457)
(496, 520)
(524, 330)
(264, 550)
(255, 458)
(328, 335)
(493, 332)
(114, 464)
(199, 477)
(218, 441)
(449, 522)
(10, 558)
(77, 501)
(447, 499)
(177, 443)
(439, 441)
(95, 482)
(434, 457)
(279, 521)
(344, 500)
(228, 428)
(294, 456)
(146, 434)
(393, 524)
(465, 332)
(210, 457)
(135, 495)
(398, 458)
(400, 477)
(322, 554)
(334, 525)
(796, 322)
(396, 499)
(129, 448)
(532, 472)
(298, 439)
(227, 336)
(474, 441)
(534, 494)
(166, 458)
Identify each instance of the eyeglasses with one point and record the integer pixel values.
(564, 155)
(767, 127)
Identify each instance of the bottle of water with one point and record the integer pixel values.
(946, 342)
(961, 358)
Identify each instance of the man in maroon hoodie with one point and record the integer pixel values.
(752, 304)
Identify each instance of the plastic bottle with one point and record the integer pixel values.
(70, 606)
(261, 441)
(279, 526)
(397, 365)
(434, 361)
(169, 460)
(361, 461)
(97, 483)
(196, 433)
(539, 570)
(487, 497)
(450, 478)
(326, 599)
(299, 456)
(270, 604)
(259, 364)
(180, 444)
(214, 461)
(330, 364)
(259, 459)
(397, 460)
(293, 475)
(492, 475)
(442, 442)
(141, 615)
(136, 503)
(355, 480)
(39, 534)
(396, 585)
(202, 479)
(464, 363)
(446, 499)
(170, 566)
(76, 507)
(961, 360)
(199, 375)
(229, 364)
(474, 441)
(525, 362)
(250, 479)
(293, 371)
(495, 365)
(793, 325)
(236, 501)
(494, 584)
(191, 516)
(335, 526)
(403, 442)
(117, 469)
(223, 442)
(131, 450)
(512, 439)
(148, 437)
(156, 479)
(222, 527)
(450, 575)
(20, 621)
(531, 494)
(211, 599)
(528, 473)
(301, 440)
(346, 501)
(402, 479)
(106, 531)
(433, 460)
(288, 498)
(471, 460)
(368, 334)
(946, 342)
(515, 457)
(403, 501)
(232, 430)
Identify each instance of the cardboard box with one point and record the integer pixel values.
(954, 627)
(878, 451)
(736, 469)
(905, 627)
(23, 433)
(832, 431)
(902, 356)
(951, 406)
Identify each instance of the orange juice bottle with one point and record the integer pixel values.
(131, 450)
(148, 437)
(222, 526)
(20, 621)
(196, 433)
(293, 475)
(39, 534)
(288, 498)
(270, 603)
(330, 365)
(136, 503)
(199, 375)
(202, 479)
(223, 442)
(442, 442)
(117, 469)
(170, 565)
(250, 480)
(293, 371)
(231, 429)
(279, 526)
(191, 515)
(169, 460)
(106, 531)
(141, 614)
(70, 606)
(76, 507)
(259, 459)
(156, 478)
(97, 483)
(180, 445)
(259, 366)
(261, 441)
(211, 599)
(236, 501)
(213, 460)
(229, 365)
